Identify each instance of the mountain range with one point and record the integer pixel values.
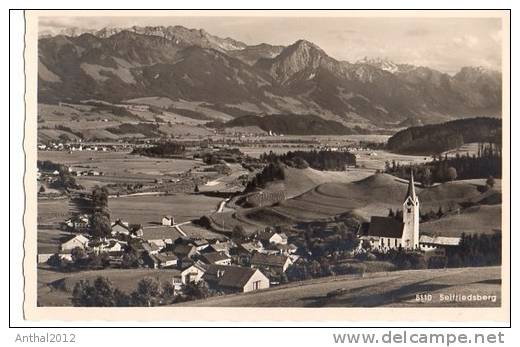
(195, 67)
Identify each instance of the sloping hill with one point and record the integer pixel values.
(393, 289)
(437, 138)
(371, 196)
(291, 124)
(483, 219)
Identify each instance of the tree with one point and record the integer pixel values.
(147, 293)
(451, 173)
(427, 177)
(99, 197)
(42, 189)
(78, 255)
(238, 233)
(98, 294)
(490, 182)
(196, 190)
(129, 260)
(168, 292)
(57, 261)
(197, 290)
(100, 225)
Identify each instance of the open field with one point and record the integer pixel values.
(119, 167)
(485, 219)
(375, 160)
(53, 210)
(391, 289)
(148, 210)
(193, 106)
(55, 288)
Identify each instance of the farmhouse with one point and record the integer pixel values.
(200, 244)
(183, 251)
(120, 228)
(389, 233)
(162, 260)
(438, 244)
(272, 238)
(275, 262)
(249, 247)
(160, 235)
(233, 279)
(150, 248)
(74, 241)
(193, 273)
(223, 247)
(216, 258)
(168, 220)
(113, 247)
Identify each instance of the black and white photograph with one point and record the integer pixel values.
(268, 159)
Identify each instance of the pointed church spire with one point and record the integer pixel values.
(411, 188)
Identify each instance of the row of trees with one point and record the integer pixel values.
(437, 138)
(272, 172)
(149, 292)
(100, 226)
(488, 163)
(165, 149)
(319, 160)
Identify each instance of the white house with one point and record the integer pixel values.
(232, 279)
(120, 228)
(193, 273)
(276, 262)
(168, 220)
(272, 238)
(74, 241)
(437, 244)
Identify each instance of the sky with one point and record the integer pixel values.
(445, 44)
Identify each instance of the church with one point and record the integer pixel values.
(391, 233)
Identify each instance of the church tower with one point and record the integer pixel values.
(410, 238)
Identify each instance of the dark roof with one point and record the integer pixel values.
(221, 246)
(385, 227)
(183, 250)
(265, 235)
(160, 233)
(230, 276)
(121, 224)
(268, 259)
(200, 242)
(149, 247)
(166, 256)
(213, 257)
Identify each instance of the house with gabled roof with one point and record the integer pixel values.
(216, 258)
(193, 273)
(269, 237)
(74, 241)
(168, 220)
(276, 262)
(120, 227)
(161, 260)
(233, 279)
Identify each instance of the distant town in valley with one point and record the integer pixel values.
(176, 167)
